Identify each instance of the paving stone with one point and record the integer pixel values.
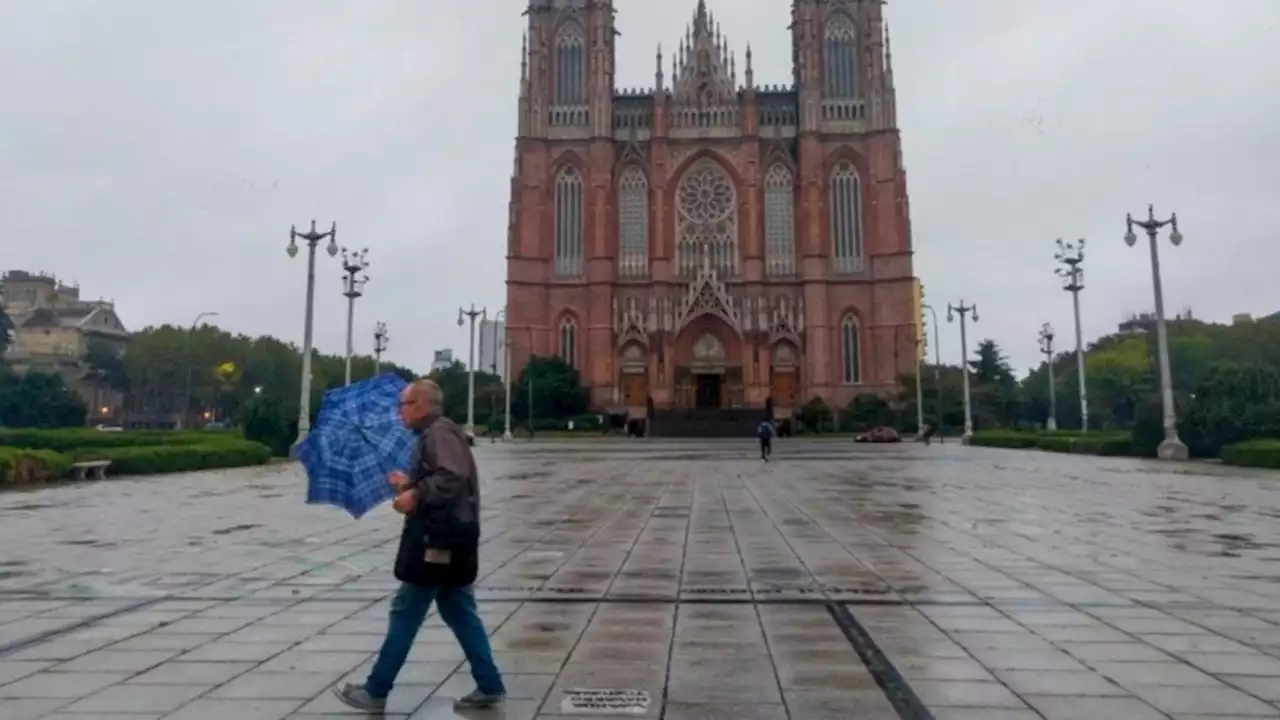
(31, 708)
(60, 685)
(1040, 573)
(138, 698)
(259, 685)
(211, 709)
(192, 673)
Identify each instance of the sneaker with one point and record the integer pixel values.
(357, 697)
(476, 700)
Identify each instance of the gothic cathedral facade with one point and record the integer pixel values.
(707, 243)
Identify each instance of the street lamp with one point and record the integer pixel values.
(186, 397)
(1070, 256)
(354, 278)
(1046, 347)
(380, 340)
(937, 367)
(312, 238)
(1171, 448)
(963, 311)
(471, 314)
(505, 348)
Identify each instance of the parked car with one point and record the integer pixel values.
(108, 428)
(879, 435)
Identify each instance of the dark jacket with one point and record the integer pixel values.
(448, 514)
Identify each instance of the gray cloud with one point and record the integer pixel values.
(158, 150)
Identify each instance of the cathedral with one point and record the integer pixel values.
(710, 244)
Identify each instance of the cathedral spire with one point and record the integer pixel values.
(705, 74)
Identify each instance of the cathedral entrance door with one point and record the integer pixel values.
(708, 391)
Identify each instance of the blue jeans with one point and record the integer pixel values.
(457, 607)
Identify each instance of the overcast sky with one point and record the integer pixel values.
(157, 152)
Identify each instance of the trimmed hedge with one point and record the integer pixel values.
(23, 467)
(43, 455)
(69, 440)
(1262, 453)
(1109, 444)
(158, 459)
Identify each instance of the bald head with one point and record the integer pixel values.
(419, 401)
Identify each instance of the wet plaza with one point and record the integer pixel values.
(678, 580)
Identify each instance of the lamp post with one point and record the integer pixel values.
(471, 314)
(354, 278)
(312, 238)
(1071, 256)
(505, 346)
(963, 311)
(1046, 347)
(380, 340)
(937, 366)
(1171, 448)
(186, 396)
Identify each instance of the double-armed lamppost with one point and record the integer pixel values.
(471, 314)
(185, 420)
(354, 278)
(963, 311)
(380, 340)
(312, 238)
(1071, 256)
(1046, 347)
(1171, 448)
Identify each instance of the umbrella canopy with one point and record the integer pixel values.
(357, 440)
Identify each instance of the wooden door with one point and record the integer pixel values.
(784, 386)
(635, 389)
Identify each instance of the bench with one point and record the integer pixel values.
(95, 468)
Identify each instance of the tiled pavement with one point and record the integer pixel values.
(834, 583)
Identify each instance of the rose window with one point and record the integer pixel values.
(706, 195)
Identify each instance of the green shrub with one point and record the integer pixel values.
(1261, 453)
(23, 467)
(1004, 439)
(70, 440)
(1110, 444)
(158, 459)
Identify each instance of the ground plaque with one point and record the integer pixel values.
(605, 702)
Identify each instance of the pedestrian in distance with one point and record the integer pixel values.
(437, 558)
(765, 432)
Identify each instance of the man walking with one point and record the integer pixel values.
(437, 559)
(765, 432)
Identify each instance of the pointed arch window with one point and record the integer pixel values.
(633, 224)
(571, 73)
(850, 351)
(779, 221)
(840, 59)
(568, 223)
(568, 341)
(845, 206)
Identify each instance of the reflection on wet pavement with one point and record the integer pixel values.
(671, 579)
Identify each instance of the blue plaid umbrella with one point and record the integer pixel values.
(357, 440)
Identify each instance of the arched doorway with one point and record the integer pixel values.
(784, 378)
(708, 370)
(633, 369)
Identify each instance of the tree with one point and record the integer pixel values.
(106, 367)
(39, 400)
(1119, 376)
(867, 411)
(994, 390)
(264, 369)
(453, 382)
(557, 390)
(6, 333)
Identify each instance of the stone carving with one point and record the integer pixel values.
(708, 347)
(707, 295)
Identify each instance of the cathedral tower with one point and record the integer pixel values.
(708, 245)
